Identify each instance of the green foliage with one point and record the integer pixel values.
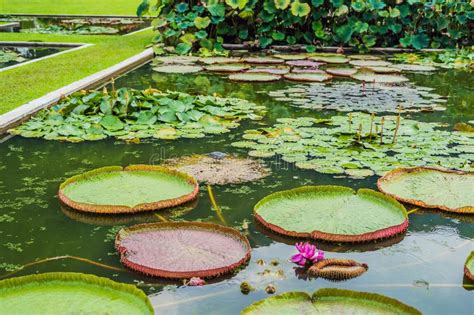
(357, 23)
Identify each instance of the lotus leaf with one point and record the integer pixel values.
(329, 301)
(229, 67)
(129, 114)
(469, 267)
(134, 188)
(340, 145)
(70, 293)
(182, 69)
(254, 77)
(332, 213)
(182, 250)
(308, 77)
(350, 96)
(343, 72)
(263, 60)
(431, 188)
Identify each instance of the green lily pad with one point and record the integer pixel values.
(370, 63)
(220, 60)
(383, 69)
(70, 293)
(414, 67)
(182, 60)
(263, 60)
(134, 188)
(182, 69)
(308, 77)
(330, 59)
(291, 56)
(342, 72)
(329, 301)
(372, 77)
(469, 267)
(431, 188)
(332, 213)
(270, 70)
(364, 57)
(254, 77)
(230, 67)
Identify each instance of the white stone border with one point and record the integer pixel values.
(76, 46)
(20, 114)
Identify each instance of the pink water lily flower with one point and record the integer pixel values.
(196, 281)
(307, 253)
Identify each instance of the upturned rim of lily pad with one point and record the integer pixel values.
(330, 237)
(407, 170)
(337, 269)
(119, 209)
(308, 77)
(85, 280)
(170, 274)
(254, 77)
(178, 69)
(467, 271)
(342, 72)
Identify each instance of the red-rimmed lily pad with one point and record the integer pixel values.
(135, 188)
(469, 267)
(384, 69)
(330, 301)
(332, 213)
(429, 187)
(271, 70)
(254, 77)
(70, 293)
(263, 60)
(229, 67)
(219, 60)
(341, 72)
(182, 250)
(178, 68)
(304, 63)
(308, 77)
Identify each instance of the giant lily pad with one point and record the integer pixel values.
(229, 67)
(291, 56)
(308, 77)
(329, 301)
(332, 213)
(183, 60)
(271, 70)
(343, 72)
(383, 69)
(304, 63)
(337, 269)
(134, 188)
(431, 188)
(70, 293)
(219, 60)
(372, 77)
(307, 70)
(263, 60)
(182, 250)
(415, 67)
(254, 77)
(330, 59)
(364, 57)
(370, 63)
(469, 267)
(182, 69)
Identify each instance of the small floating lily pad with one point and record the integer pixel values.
(254, 77)
(181, 69)
(230, 67)
(271, 70)
(308, 77)
(342, 72)
(431, 188)
(372, 77)
(469, 267)
(329, 301)
(227, 170)
(70, 293)
(263, 60)
(414, 67)
(370, 63)
(219, 60)
(330, 59)
(182, 250)
(134, 188)
(332, 213)
(337, 269)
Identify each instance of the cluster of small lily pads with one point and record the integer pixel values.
(349, 96)
(449, 59)
(307, 67)
(129, 114)
(7, 55)
(360, 144)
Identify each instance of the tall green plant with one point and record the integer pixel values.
(357, 23)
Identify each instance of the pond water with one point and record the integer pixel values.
(423, 268)
(77, 26)
(18, 55)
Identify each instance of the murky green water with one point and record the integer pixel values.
(423, 268)
(29, 53)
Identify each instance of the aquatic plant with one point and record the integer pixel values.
(307, 253)
(182, 250)
(195, 281)
(469, 267)
(246, 287)
(135, 188)
(129, 114)
(430, 187)
(331, 213)
(337, 269)
(68, 293)
(335, 146)
(329, 301)
(449, 58)
(80, 30)
(7, 55)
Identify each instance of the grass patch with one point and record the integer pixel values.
(23, 84)
(85, 7)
